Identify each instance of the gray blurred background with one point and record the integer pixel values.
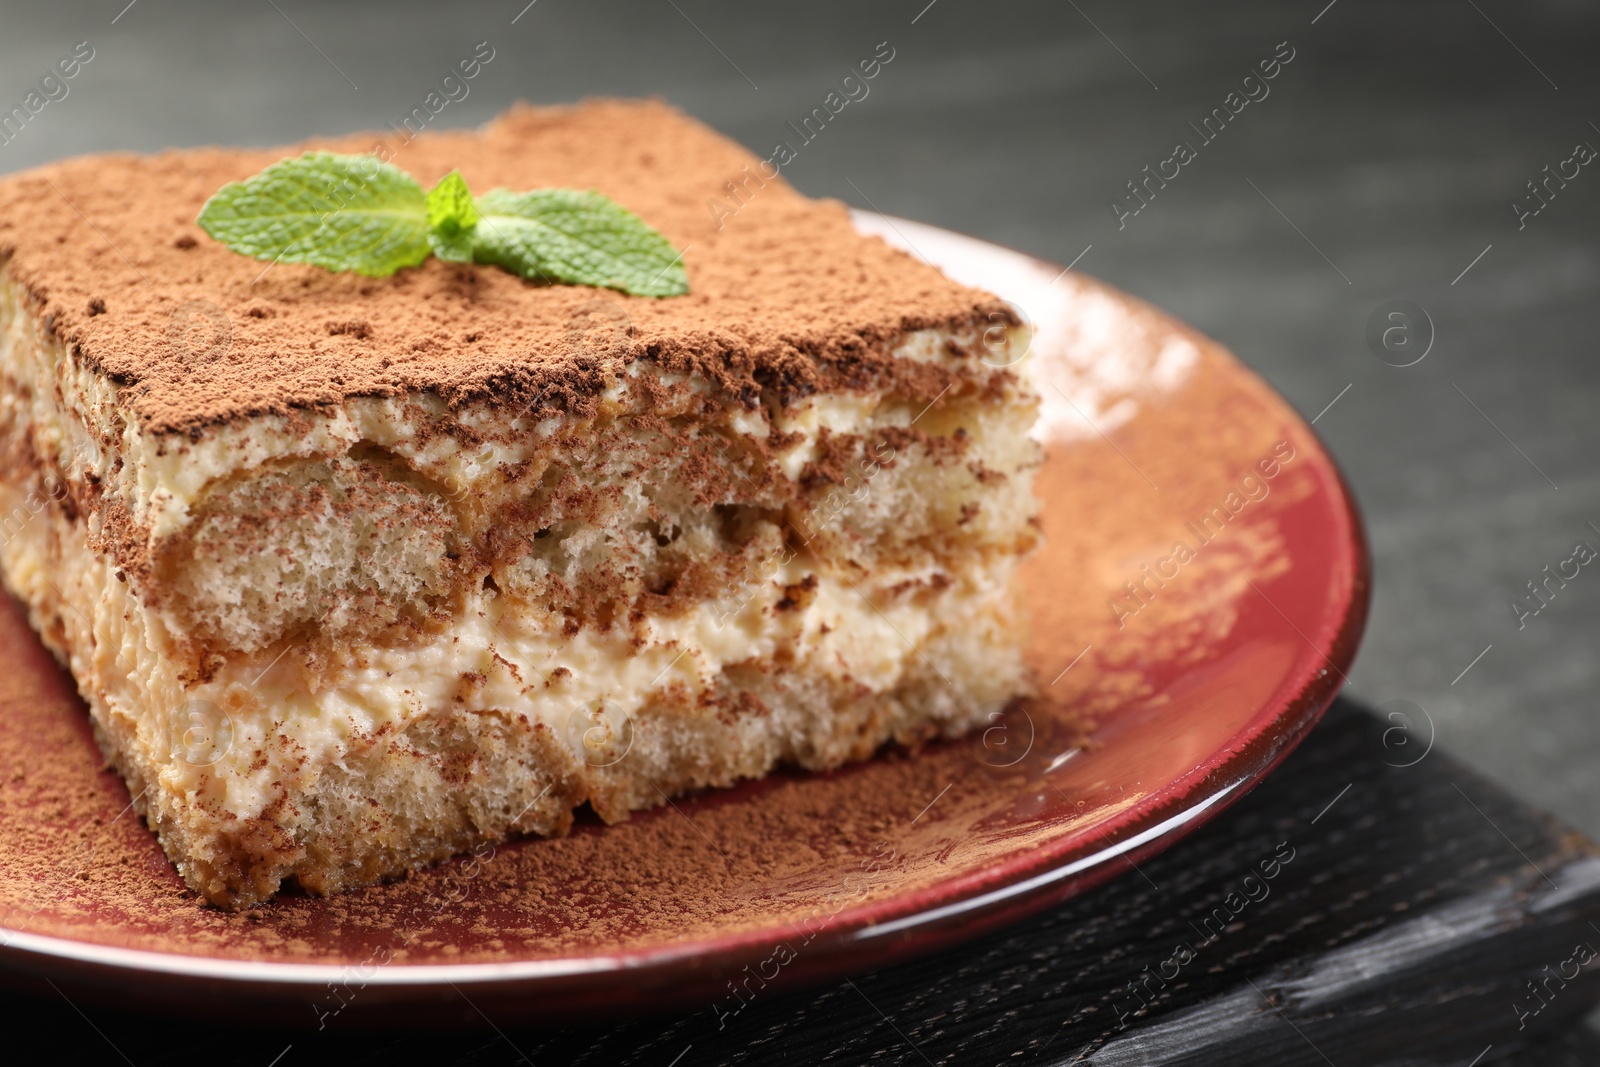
(1383, 165)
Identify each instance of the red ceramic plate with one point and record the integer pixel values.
(1202, 593)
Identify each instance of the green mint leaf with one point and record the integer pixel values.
(342, 212)
(582, 238)
(451, 218)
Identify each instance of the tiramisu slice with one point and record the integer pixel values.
(356, 573)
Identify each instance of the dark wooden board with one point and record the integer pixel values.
(1382, 906)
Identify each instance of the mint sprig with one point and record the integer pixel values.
(357, 213)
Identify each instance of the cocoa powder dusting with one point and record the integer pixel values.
(782, 296)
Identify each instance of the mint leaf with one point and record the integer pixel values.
(342, 212)
(451, 218)
(583, 238)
